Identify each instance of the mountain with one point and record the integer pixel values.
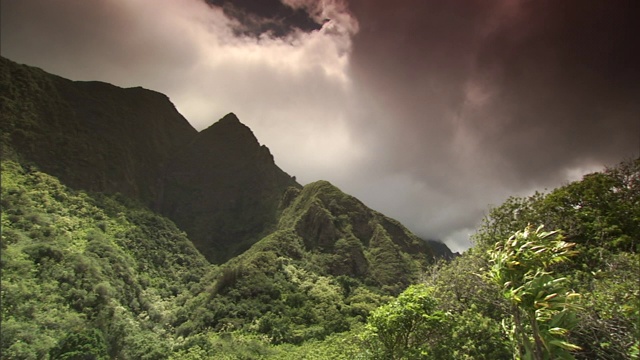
(110, 202)
(224, 189)
(92, 135)
(363, 242)
(128, 234)
(328, 263)
(99, 137)
(219, 185)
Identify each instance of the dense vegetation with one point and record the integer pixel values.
(129, 281)
(100, 272)
(93, 274)
(542, 294)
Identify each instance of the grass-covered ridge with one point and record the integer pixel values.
(353, 239)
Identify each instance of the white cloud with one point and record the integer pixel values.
(292, 92)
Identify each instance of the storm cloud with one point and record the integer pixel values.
(428, 111)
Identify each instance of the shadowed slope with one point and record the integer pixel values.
(92, 135)
(224, 189)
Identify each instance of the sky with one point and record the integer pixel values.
(429, 111)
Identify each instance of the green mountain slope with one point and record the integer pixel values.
(352, 239)
(73, 263)
(92, 267)
(329, 263)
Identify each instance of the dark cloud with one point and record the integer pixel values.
(558, 81)
(567, 77)
(472, 101)
(257, 17)
(428, 111)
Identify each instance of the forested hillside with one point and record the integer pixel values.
(88, 274)
(550, 276)
(148, 254)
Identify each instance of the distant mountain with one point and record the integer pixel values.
(219, 185)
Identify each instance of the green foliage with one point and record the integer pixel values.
(474, 336)
(600, 212)
(86, 344)
(266, 292)
(415, 326)
(238, 345)
(408, 327)
(609, 323)
(600, 215)
(461, 285)
(75, 261)
(105, 265)
(342, 346)
(541, 308)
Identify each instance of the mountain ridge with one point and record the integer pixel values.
(219, 185)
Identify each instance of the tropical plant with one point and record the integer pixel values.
(542, 309)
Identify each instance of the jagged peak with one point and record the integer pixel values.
(230, 118)
(231, 131)
(229, 121)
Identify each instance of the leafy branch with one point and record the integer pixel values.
(542, 309)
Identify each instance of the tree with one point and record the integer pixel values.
(408, 327)
(85, 344)
(542, 313)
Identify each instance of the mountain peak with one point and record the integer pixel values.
(224, 189)
(229, 125)
(230, 118)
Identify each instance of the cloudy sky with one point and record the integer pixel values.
(429, 111)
